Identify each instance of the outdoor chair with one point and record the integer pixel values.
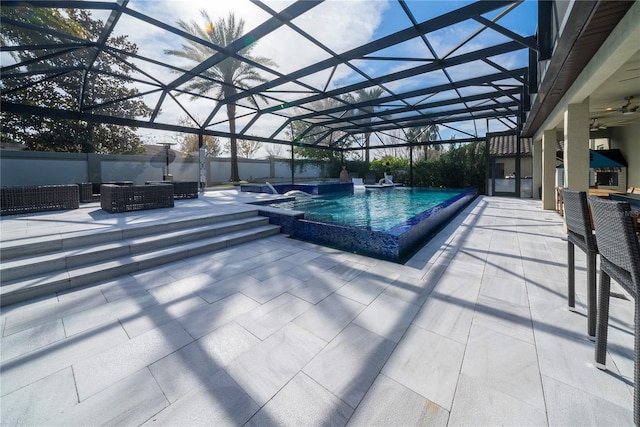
(620, 260)
(579, 233)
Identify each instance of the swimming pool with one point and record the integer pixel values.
(373, 210)
(388, 224)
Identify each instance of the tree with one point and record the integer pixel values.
(247, 148)
(189, 142)
(424, 134)
(227, 76)
(273, 150)
(105, 81)
(363, 95)
(304, 135)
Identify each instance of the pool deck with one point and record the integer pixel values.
(472, 330)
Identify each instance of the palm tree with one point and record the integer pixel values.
(423, 134)
(363, 95)
(228, 75)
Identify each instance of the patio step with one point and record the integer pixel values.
(26, 277)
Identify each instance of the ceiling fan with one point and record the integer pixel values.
(595, 125)
(627, 108)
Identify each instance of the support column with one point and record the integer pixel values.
(576, 146)
(549, 146)
(537, 169)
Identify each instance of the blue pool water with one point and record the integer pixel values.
(373, 210)
(389, 224)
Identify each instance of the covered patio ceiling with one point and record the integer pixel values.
(464, 69)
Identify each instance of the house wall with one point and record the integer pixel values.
(627, 139)
(526, 165)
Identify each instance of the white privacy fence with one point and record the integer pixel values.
(42, 168)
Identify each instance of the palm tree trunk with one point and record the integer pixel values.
(231, 115)
(367, 137)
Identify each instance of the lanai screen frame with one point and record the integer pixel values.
(505, 94)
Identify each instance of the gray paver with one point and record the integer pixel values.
(23, 370)
(391, 404)
(330, 316)
(222, 403)
(205, 319)
(427, 364)
(479, 405)
(35, 403)
(302, 402)
(350, 363)
(192, 366)
(105, 313)
(275, 314)
(31, 339)
(108, 367)
(268, 366)
(157, 315)
(128, 402)
(570, 406)
(387, 316)
(504, 363)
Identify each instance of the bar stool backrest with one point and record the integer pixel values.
(615, 232)
(576, 213)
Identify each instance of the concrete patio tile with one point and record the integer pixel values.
(31, 339)
(410, 288)
(275, 314)
(571, 361)
(546, 289)
(312, 270)
(504, 363)
(106, 313)
(506, 267)
(160, 314)
(46, 310)
(263, 272)
(347, 271)
(350, 363)
(548, 271)
(446, 316)
(205, 319)
(133, 284)
(128, 402)
(302, 402)
(110, 366)
(329, 317)
(268, 366)
(302, 257)
(513, 291)
(270, 288)
(317, 288)
(570, 406)
(387, 316)
(35, 403)
(193, 365)
(181, 288)
(388, 403)
(428, 364)
(508, 319)
(222, 402)
(30, 367)
(226, 287)
(366, 287)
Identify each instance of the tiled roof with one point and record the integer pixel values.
(507, 145)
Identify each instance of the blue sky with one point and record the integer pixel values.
(340, 25)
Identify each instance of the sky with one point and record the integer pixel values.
(339, 24)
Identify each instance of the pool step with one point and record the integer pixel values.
(46, 273)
